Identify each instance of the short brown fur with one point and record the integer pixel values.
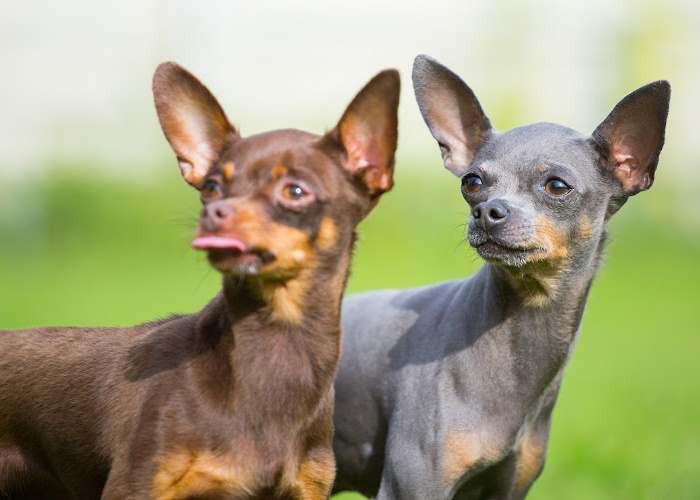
(235, 401)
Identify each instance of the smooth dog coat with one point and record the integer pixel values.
(234, 402)
(447, 391)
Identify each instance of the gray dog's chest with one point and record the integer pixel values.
(446, 373)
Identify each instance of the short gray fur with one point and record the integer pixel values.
(447, 391)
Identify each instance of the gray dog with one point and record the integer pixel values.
(447, 391)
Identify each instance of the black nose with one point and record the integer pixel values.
(490, 213)
(215, 215)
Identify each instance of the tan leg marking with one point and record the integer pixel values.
(316, 476)
(530, 459)
(186, 474)
(463, 451)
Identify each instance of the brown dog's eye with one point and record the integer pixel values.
(557, 187)
(211, 189)
(293, 191)
(295, 195)
(471, 183)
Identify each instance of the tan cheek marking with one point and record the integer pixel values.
(187, 474)
(529, 462)
(294, 258)
(585, 228)
(555, 239)
(462, 451)
(229, 170)
(292, 269)
(327, 234)
(278, 171)
(537, 284)
(298, 256)
(290, 245)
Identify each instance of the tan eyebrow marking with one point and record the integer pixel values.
(228, 170)
(278, 171)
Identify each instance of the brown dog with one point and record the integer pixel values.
(235, 401)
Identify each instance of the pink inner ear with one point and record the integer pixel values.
(625, 163)
(630, 169)
(362, 152)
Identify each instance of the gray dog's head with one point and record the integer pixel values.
(540, 194)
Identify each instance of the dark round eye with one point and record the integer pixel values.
(293, 191)
(211, 188)
(557, 187)
(472, 183)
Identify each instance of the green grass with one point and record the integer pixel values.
(95, 251)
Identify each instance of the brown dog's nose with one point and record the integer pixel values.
(215, 214)
(490, 213)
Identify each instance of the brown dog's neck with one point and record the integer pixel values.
(307, 302)
(272, 349)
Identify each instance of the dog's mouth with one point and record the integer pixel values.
(230, 255)
(497, 248)
(502, 252)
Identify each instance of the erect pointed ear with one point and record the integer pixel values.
(192, 120)
(451, 111)
(632, 135)
(368, 132)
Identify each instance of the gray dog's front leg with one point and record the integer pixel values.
(410, 473)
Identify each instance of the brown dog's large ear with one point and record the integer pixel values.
(192, 120)
(632, 136)
(368, 132)
(451, 111)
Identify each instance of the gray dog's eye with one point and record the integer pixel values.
(471, 183)
(557, 187)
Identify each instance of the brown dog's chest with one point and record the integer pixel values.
(194, 473)
(248, 474)
(257, 444)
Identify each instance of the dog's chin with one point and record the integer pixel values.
(236, 263)
(240, 263)
(505, 254)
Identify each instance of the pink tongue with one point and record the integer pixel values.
(207, 242)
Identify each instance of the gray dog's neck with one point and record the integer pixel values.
(545, 302)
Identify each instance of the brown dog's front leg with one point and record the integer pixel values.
(316, 475)
(117, 486)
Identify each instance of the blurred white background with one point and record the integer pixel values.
(75, 83)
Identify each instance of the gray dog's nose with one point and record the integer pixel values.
(490, 213)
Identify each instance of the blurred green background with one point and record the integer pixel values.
(100, 251)
(95, 223)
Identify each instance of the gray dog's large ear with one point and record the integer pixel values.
(451, 111)
(632, 135)
(192, 120)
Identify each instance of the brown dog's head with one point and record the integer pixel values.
(279, 202)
